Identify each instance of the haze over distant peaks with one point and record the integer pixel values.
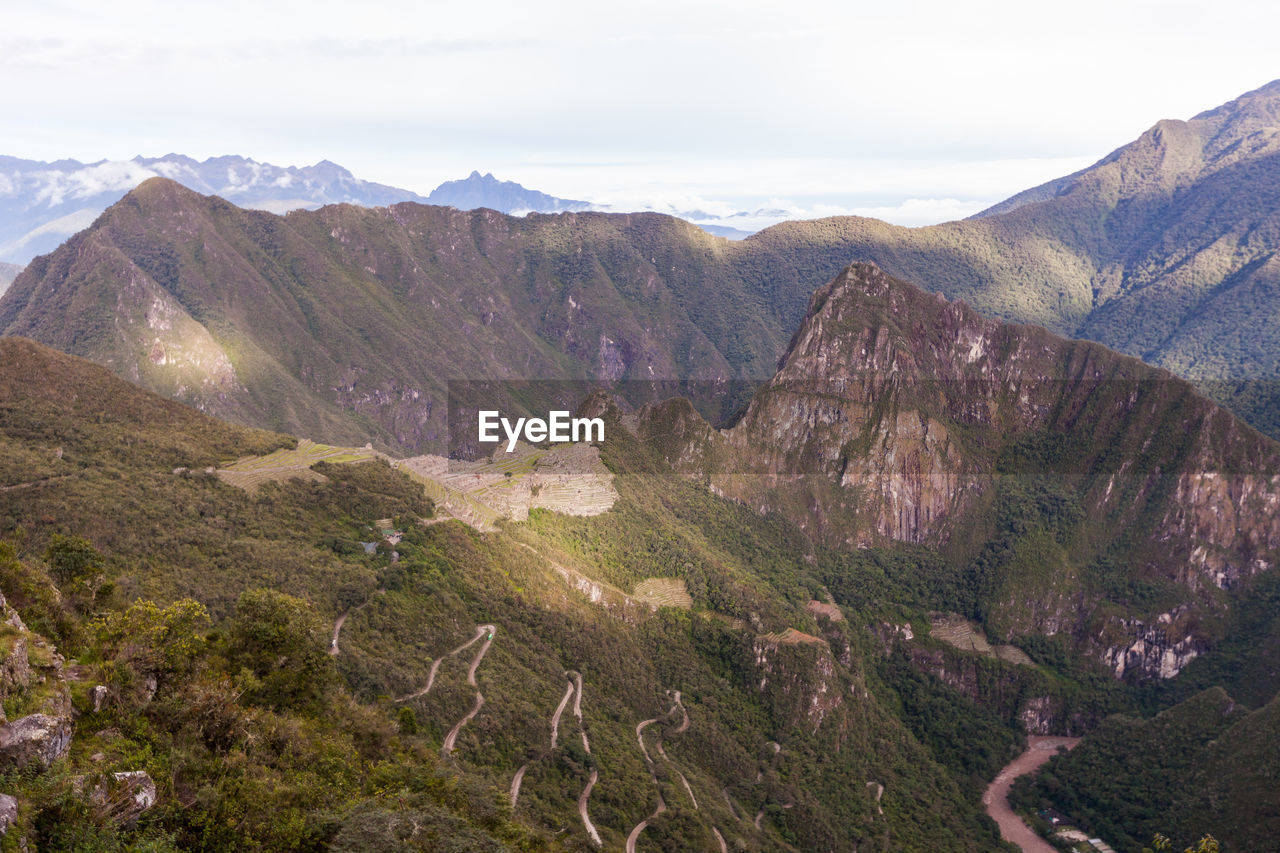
(41, 204)
(44, 203)
(476, 191)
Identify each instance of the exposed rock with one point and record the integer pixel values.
(890, 633)
(15, 670)
(97, 695)
(1153, 649)
(11, 617)
(1037, 716)
(37, 738)
(8, 812)
(896, 415)
(121, 797)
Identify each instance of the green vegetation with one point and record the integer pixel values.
(264, 728)
(1166, 256)
(1199, 767)
(270, 673)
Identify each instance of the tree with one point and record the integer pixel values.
(71, 558)
(156, 640)
(1207, 844)
(279, 640)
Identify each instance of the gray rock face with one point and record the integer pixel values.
(37, 738)
(8, 813)
(120, 797)
(15, 670)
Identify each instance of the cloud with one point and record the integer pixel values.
(56, 187)
(925, 211)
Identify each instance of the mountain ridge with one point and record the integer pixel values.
(406, 298)
(478, 190)
(43, 203)
(897, 416)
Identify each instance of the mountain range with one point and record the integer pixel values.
(1165, 249)
(1124, 252)
(44, 203)
(865, 517)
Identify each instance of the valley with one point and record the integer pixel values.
(877, 521)
(996, 798)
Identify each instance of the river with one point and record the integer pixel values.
(996, 798)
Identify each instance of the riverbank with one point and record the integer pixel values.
(996, 798)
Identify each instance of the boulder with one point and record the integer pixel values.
(98, 695)
(120, 797)
(8, 813)
(36, 738)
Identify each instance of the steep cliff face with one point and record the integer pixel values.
(903, 408)
(799, 676)
(897, 416)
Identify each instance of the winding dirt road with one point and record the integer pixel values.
(337, 629)
(451, 738)
(435, 665)
(555, 718)
(996, 798)
(595, 774)
(487, 631)
(555, 734)
(582, 808)
(653, 774)
(515, 784)
(573, 690)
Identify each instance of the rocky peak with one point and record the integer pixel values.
(897, 415)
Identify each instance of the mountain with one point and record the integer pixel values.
(1165, 250)
(41, 204)
(476, 191)
(8, 272)
(1199, 768)
(348, 323)
(657, 671)
(726, 663)
(1089, 494)
(1068, 256)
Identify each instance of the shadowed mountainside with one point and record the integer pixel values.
(1094, 495)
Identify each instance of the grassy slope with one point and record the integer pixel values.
(290, 775)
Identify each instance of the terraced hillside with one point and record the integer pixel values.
(563, 478)
(250, 472)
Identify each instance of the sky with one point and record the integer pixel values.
(915, 112)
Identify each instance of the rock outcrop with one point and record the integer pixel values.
(34, 739)
(897, 416)
(799, 676)
(120, 797)
(8, 813)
